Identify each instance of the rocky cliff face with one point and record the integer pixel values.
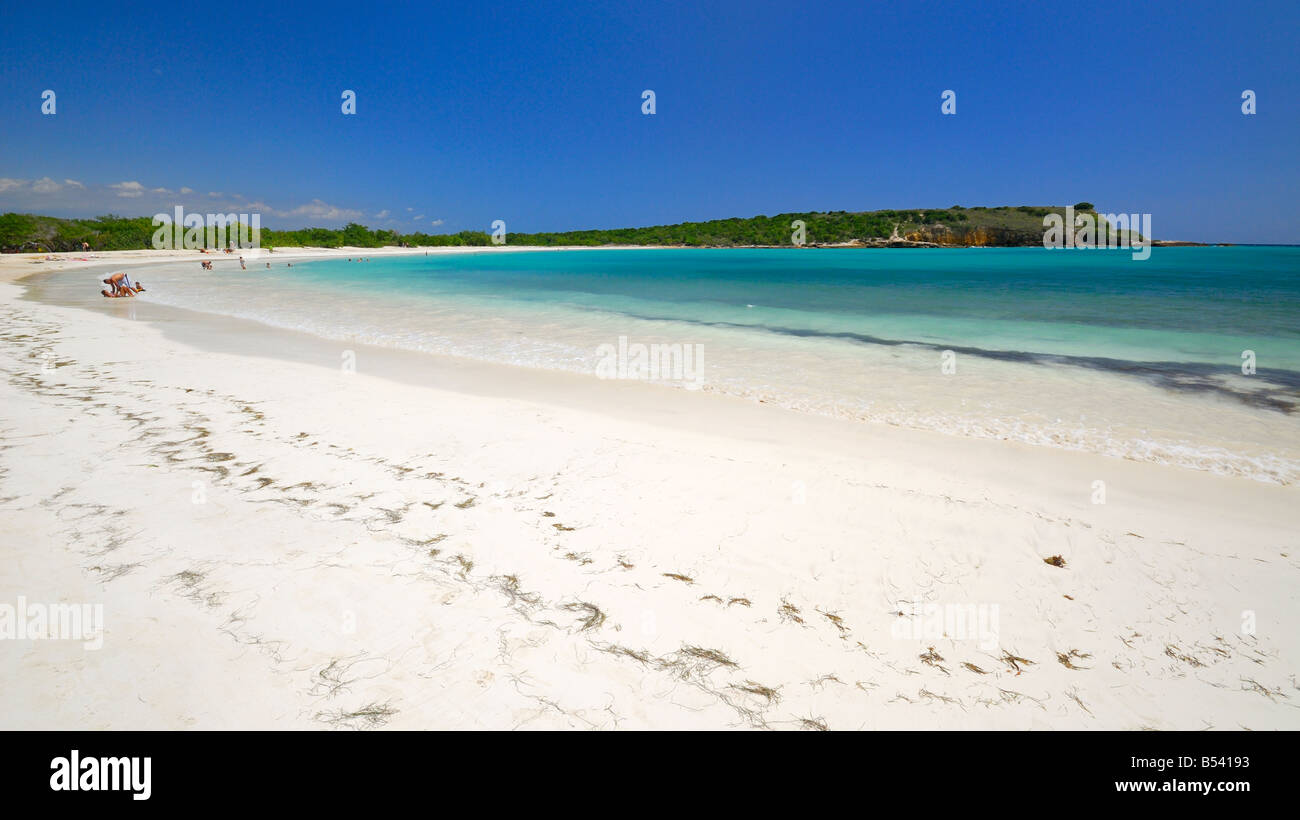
(948, 236)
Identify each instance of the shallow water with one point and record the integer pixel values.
(1083, 349)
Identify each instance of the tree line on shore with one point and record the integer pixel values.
(29, 232)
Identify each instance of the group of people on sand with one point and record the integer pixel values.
(120, 284)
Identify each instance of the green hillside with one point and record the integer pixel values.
(948, 227)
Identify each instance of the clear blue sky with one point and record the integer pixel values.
(531, 113)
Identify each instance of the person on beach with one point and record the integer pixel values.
(242, 266)
(121, 285)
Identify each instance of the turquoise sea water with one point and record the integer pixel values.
(1084, 349)
(1184, 305)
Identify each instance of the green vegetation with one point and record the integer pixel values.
(26, 232)
(47, 233)
(359, 236)
(955, 226)
(836, 226)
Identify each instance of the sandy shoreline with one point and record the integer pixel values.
(14, 266)
(432, 543)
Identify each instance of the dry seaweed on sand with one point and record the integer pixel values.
(1055, 560)
(638, 655)
(789, 612)
(926, 694)
(466, 565)
(370, 716)
(685, 579)
(772, 696)
(835, 619)
(593, 617)
(1066, 659)
(932, 658)
(1014, 661)
(1073, 695)
(1252, 685)
(1177, 654)
(711, 656)
(509, 586)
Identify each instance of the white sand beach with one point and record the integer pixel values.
(430, 542)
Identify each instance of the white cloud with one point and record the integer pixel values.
(419, 218)
(382, 214)
(128, 189)
(321, 210)
(44, 185)
(435, 223)
(70, 197)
